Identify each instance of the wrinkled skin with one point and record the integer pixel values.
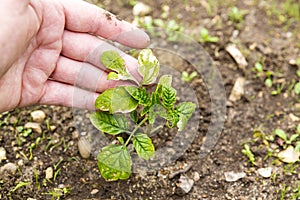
(48, 47)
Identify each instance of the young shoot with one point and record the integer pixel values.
(143, 107)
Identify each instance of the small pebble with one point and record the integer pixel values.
(84, 147)
(293, 117)
(49, 173)
(289, 155)
(31, 199)
(232, 176)
(38, 116)
(185, 184)
(196, 176)
(94, 191)
(238, 89)
(2, 154)
(265, 172)
(34, 126)
(141, 9)
(21, 162)
(52, 128)
(8, 167)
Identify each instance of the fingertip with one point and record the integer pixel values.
(135, 38)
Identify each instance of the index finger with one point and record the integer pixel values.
(84, 17)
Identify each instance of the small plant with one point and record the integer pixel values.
(279, 89)
(281, 134)
(205, 37)
(297, 88)
(247, 152)
(186, 77)
(236, 15)
(172, 29)
(143, 107)
(258, 67)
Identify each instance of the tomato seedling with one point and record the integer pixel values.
(143, 107)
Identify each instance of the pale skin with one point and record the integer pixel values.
(50, 52)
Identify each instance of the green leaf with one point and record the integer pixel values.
(298, 129)
(293, 138)
(185, 111)
(139, 94)
(172, 117)
(143, 146)
(297, 148)
(280, 133)
(108, 123)
(148, 66)
(154, 110)
(134, 116)
(114, 162)
(297, 88)
(164, 81)
(104, 100)
(116, 100)
(168, 96)
(121, 140)
(113, 76)
(113, 61)
(268, 82)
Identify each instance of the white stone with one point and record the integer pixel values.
(233, 176)
(265, 172)
(2, 154)
(49, 173)
(8, 167)
(185, 183)
(238, 89)
(141, 9)
(289, 155)
(84, 147)
(233, 50)
(34, 126)
(94, 191)
(38, 116)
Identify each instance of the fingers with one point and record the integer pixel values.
(66, 95)
(84, 17)
(88, 48)
(83, 75)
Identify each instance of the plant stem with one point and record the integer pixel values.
(135, 129)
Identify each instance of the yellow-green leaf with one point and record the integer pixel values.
(185, 111)
(114, 162)
(116, 100)
(108, 123)
(148, 66)
(143, 146)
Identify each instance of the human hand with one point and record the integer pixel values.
(51, 48)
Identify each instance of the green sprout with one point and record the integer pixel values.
(204, 36)
(114, 161)
(247, 152)
(186, 77)
(236, 15)
(297, 88)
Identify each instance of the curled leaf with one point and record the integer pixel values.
(168, 96)
(113, 61)
(139, 94)
(114, 162)
(148, 66)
